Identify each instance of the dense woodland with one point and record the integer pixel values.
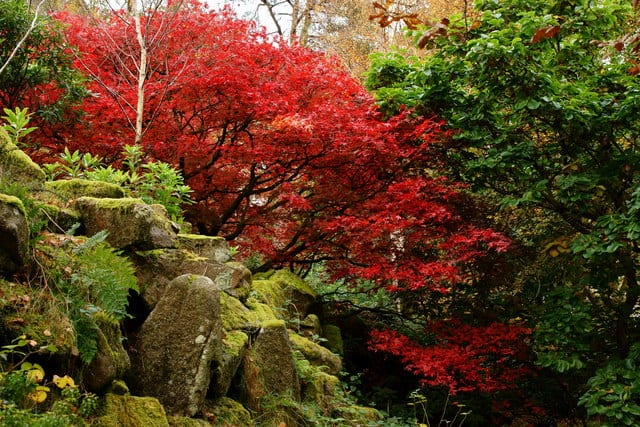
(460, 182)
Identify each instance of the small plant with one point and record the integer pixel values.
(153, 181)
(23, 389)
(16, 124)
(94, 281)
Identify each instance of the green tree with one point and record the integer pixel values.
(35, 64)
(543, 97)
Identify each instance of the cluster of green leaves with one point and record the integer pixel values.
(152, 181)
(25, 395)
(93, 280)
(614, 391)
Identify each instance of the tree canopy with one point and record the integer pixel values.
(543, 100)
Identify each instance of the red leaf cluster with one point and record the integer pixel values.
(463, 358)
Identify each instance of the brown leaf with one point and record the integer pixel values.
(545, 33)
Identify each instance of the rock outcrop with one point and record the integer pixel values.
(211, 344)
(178, 345)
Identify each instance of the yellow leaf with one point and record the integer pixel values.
(39, 395)
(63, 382)
(35, 373)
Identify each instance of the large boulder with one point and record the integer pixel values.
(155, 268)
(178, 344)
(16, 166)
(14, 234)
(268, 368)
(130, 222)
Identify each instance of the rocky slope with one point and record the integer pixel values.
(202, 341)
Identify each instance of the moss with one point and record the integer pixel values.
(16, 166)
(286, 277)
(125, 204)
(131, 411)
(177, 421)
(234, 342)
(316, 354)
(357, 415)
(261, 311)
(235, 315)
(288, 294)
(322, 390)
(273, 324)
(226, 412)
(13, 201)
(73, 188)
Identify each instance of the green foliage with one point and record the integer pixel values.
(25, 396)
(42, 60)
(564, 332)
(93, 281)
(543, 100)
(16, 124)
(152, 181)
(614, 391)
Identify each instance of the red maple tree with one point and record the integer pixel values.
(288, 157)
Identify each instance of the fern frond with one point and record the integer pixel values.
(91, 242)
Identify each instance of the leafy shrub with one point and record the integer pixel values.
(152, 181)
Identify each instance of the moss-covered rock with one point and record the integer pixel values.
(226, 412)
(287, 293)
(316, 354)
(321, 390)
(234, 346)
(178, 344)
(237, 316)
(213, 248)
(131, 411)
(16, 166)
(178, 421)
(268, 367)
(14, 234)
(357, 416)
(130, 222)
(111, 360)
(310, 327)
(68, 189)
(155, 268)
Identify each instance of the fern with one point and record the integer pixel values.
(91, 242)
(94, 280)
(86, 335)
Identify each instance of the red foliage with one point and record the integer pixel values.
(288, 157)
(463, 358)
(285, 151)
